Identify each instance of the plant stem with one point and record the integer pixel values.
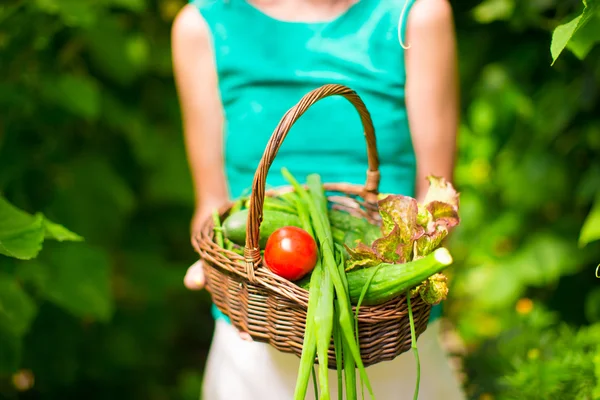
(413, 345)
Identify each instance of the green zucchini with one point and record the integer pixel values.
(275, 204)
(234, 226)
(360, 228)
(392, 280)
(346, 221)
(346, 228)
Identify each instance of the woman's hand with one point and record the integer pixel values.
(195, 280)
(194, 277)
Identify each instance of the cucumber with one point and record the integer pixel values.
(275, 204)
(234, 226)
(355, 227)
(391, 280)
(346, 221)
(346, 228)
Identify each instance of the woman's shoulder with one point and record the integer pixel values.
(425, 10)
(431, 11)
(189, 24)
(190, 33)
(193, 17)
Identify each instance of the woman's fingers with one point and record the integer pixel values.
(194, 280)
(194, 277)
(245, 336)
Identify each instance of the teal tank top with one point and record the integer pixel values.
(266, 65)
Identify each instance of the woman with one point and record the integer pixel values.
(241, 64)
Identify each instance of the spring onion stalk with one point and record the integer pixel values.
(348, 359)
(315, 386)
(289, 198)
(317, 203)
(304, 215)
(338, 347)
(324, 324)
(360, 300)
(322, 319)
(364, 293)
(309, 346)
(217, 228)
(318, 209)
(413, 344)
(237, 206)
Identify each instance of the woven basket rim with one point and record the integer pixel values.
(204, 241)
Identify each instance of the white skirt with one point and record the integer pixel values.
(241, 370)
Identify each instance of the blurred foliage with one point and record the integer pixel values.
(529, 173)
(539, 358)
(90, 138)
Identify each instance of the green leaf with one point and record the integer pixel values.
(80, 281)
(391, 249)
(59, 232)
(590, 231)
(565, 32)
(362, 256)
(443, 213)
(586, 37)
(21, 235)
(401, 211)
(561, 36)
(17, 309)
(430, 241)
(440, 190)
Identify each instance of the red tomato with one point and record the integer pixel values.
(291, 253)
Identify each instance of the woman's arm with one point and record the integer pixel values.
(197, 86)
(432, 89)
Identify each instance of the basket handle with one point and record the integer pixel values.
(257, 196)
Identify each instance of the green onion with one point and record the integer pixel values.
(304, 215)
(309, 346)
(237, 206)
(360, 300)
(289, 198)
(317, 204)
(413, 344)
(324, 323)
(349, 363)
(318, 209)
(316, 388)
(217, 228)
(338, 347)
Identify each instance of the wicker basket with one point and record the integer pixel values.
(273, 310)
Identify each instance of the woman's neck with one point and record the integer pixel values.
(303, 10)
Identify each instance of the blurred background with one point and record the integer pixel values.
(90, 138)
